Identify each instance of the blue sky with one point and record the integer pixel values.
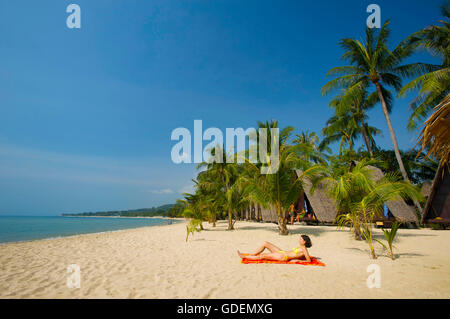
(86, 114)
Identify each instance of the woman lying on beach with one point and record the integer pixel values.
(298, 253)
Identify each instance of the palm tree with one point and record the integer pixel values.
(389, 188)
(344, 128)
(279, 188)
(434, 85)
(283, 137)
(236, 200)
(357, 103)
(223, 174)
(194, 209)
(373, 63)
(211, 192)
(308, 147)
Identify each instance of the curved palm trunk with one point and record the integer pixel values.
(366, 138)
(364, 129)
(391, 131)
(350, 143)
(394, 141)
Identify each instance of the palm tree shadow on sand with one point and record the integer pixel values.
(386, 254)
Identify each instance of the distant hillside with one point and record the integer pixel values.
(141, 212)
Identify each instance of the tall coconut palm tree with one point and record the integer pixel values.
(284, 134)
(344, 128)
(357, 103)
(279, 188)
(434, 85)
(374, 64)
(212, 192)
(224, 174)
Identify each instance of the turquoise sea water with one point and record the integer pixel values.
(20, 228)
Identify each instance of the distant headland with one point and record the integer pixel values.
(164, 210)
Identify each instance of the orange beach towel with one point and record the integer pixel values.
(314, 262)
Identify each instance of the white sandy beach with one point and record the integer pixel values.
(156, 262)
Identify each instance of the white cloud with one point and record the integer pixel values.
(161, 191)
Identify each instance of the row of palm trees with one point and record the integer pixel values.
(374, 72)
(227, 187)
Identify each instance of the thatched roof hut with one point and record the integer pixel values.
(436, 135)
(269, 214)
(402, 211)
(322, 206)
(437, 208)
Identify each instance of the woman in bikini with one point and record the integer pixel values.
(298, 253)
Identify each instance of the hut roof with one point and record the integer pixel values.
(269, 214)
(438, 203)
(322, 205)
(402, 211)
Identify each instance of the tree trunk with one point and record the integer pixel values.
(391, 131)
(282, 226)
(230, 220)
(282, 221)
(357, 232)
(394, 141)
(366, 138)
(364, 132)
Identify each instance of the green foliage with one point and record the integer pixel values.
(282, 187)
(349, 119)
(217, 184)
(389, 235)
(434, 85)
(372, 64)
(309, 148)
(175, 211)
(193, 227)
(418, 167)
(278, 190)
(358, 197)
